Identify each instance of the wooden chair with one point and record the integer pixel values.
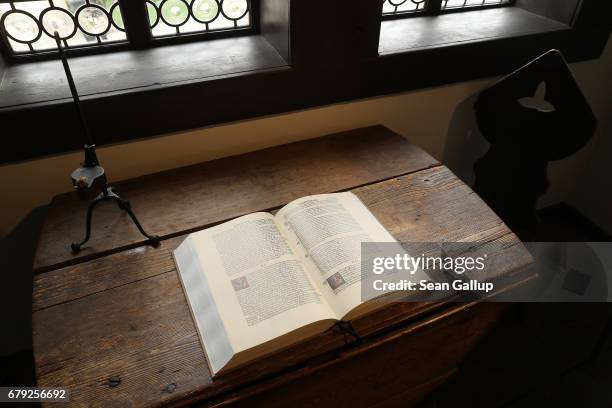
(533, 116)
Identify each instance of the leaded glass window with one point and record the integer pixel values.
(177, 17)
(29, 26)
(455, 4)
(399, 8)
(403, 6)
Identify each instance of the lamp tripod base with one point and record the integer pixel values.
(109, 195)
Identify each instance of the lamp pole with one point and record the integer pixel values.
(90, 178)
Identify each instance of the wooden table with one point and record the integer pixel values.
(113, 325)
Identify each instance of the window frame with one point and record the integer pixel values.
(335, 60)
(138, 35)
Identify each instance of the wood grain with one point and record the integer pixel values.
(432, 205)
(411, 361)
(144, 335)
(84, 279)
(184, 200)
(135, 324)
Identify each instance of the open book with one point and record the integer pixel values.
(260, 283)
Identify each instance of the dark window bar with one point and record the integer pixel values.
(405, 8)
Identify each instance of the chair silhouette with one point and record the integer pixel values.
(533, 116)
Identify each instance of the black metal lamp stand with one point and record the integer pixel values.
(90, 178)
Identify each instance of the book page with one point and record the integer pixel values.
(259, 285)
(327, 231)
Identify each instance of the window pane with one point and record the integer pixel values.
(453, 4)
(29, 26)
(176, 17)
(403, 6)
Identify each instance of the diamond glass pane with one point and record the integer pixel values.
(178, 17)
(29, 26)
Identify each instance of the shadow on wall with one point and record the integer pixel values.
(16, 259)
(464, 142)
(592, 194)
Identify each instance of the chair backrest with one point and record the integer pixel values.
(534, 115)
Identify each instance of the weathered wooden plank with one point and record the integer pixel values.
(428, 206)
(135, 324)
(409, 360)
(84, 279)
(183, 200)
(150, 343)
